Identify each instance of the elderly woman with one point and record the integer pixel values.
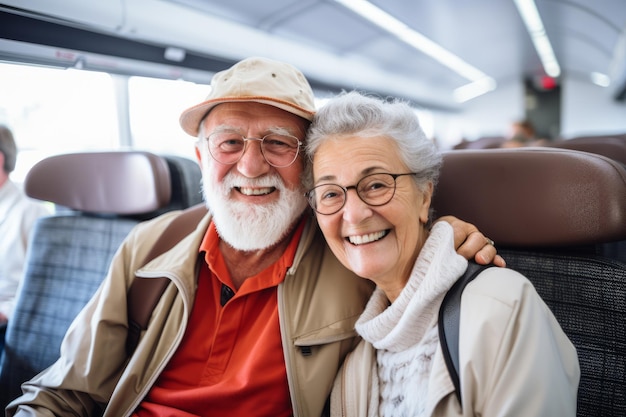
(372, 179)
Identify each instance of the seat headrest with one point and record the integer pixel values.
(611, 147)
(124, 182)
(535, 196)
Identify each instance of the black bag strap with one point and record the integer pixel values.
(144, 293)
(449, 321)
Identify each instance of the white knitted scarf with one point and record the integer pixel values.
(405, 333)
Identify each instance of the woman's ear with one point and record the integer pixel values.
(427, 196)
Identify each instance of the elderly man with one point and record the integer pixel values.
(259, 314)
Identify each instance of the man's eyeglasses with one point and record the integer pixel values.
(373, 189)
(279, 150)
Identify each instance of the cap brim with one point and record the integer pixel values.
(190, 119)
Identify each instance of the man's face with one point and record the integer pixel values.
(254, 204)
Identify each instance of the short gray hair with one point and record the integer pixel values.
(355, 114)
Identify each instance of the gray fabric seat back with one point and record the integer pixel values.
(552, 212)
(103, 195)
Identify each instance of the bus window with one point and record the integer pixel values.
(52, 111)
(154, 108)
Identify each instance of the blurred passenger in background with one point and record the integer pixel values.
(522, 134)
(17, 217)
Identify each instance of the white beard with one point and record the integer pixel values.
(251, 227)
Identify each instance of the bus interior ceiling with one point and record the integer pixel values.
(471, 61)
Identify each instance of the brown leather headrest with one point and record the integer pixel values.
(611, 147)
(125, 183)
(535, 196)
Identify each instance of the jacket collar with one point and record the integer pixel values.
(180, 261)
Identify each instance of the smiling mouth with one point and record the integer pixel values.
(255, 191)
(368, 238)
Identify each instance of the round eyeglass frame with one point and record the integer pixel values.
(310, 195)
(299, 144)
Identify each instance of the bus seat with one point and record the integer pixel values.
(551, 212)
(100, 197)
(122, 183)
(613, 147)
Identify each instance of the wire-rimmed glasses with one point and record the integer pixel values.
(228, 146)
(373, 189)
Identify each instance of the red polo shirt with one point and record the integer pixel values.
(230, 361)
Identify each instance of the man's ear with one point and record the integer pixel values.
(199, 155)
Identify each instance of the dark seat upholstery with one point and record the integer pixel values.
(185, 177)
(101, 196)
(551, 213)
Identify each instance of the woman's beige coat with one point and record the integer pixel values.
(319, 302)
(514, 358)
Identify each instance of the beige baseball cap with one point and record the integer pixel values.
(255, 79)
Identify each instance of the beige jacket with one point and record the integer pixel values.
(514, 359)
(319, 302)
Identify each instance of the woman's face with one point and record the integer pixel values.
(380, 243)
